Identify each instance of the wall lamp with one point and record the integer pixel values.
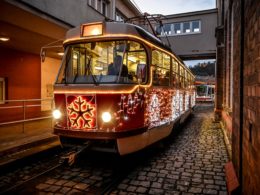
(4, 39)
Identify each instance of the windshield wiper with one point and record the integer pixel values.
(74, 79)
(90, 71)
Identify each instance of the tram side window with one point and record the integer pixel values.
(182, 75)
(186, 79)
(175, 74)
(161, 68)
(190, 82)
(135, 59)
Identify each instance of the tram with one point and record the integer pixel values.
(120, 87)
(205, 92)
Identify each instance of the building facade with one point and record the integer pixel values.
(238, 86)
(40, 25)
(197, 28)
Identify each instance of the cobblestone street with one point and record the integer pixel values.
(190, 161)
(193, 163)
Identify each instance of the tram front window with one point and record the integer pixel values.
(104, 62)
(201, 90)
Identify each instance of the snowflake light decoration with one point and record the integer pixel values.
(81, 113)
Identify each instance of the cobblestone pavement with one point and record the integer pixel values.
(193, 162)
(189, 162)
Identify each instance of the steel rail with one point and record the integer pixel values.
(66, 159)
(16, 186)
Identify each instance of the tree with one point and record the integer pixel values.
(204, 69)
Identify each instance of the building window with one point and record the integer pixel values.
(177, 28)
(195, 26)
(93, 3)
(119, 17)
(167, 29)
(180, 28)
(186, 27)
(2, 90)
(104, 7)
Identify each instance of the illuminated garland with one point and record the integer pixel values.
(181, 102)
(187, 103)
(154, 109)
(175, 109)
(129, 105)
(177, 103)
(193, 98)
(159, 107)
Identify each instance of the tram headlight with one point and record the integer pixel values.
(106, 117)
(56, 114)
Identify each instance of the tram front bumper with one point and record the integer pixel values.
(94, 134)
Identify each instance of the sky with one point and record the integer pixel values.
(167, 7)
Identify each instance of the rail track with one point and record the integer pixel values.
(117, 167)
(66, 157)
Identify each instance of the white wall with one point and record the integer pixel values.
(49, 71)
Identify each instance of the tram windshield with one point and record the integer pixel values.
(205, 90)
(104, 62)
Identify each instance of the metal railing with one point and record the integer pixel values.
(38, 111)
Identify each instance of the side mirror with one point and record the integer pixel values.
(43, 54)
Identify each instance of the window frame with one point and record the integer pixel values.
(199, 26)
(91, 2)
(162, 67)
(118, 14)
(103, 2)
(172, 33)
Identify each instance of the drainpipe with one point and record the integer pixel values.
(241, 93)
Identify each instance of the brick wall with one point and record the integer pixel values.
(251, 119)
(251, 88)
(236, 87)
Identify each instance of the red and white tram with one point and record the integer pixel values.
(119, 86)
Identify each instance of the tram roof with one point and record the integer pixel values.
(117, 28)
